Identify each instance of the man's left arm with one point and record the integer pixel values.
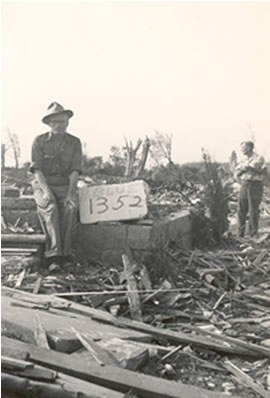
(258, 166)
(74, 175)
(71, 195)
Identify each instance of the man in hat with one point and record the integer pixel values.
(56, 165)
(251, 172)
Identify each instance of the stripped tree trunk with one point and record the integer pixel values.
(131, 157)
(142, 162)
(131, 170)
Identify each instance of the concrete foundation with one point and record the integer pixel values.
(106, 242)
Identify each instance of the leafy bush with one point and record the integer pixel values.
(210, 219)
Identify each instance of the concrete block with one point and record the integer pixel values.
(112, 256)
(159, 234)
(63, 341)
(115, 235)
(10, 192)
(18, 203)
(186, 241)
(107, 241)
(102, 236)
(139, 236)
(180, 227)
(88, 242)
(179, 223)
(130, 355)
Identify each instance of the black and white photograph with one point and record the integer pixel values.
(135, 199)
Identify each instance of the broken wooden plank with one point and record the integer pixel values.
(188, 352)
(37, 373)
(154, 349)
(20, 278)
(261, 319)
(37, 285)
(40, 333)
(21, 238)
(21, 322)
(250, 348)
(245, 379)
(86, 342)
(173, 337)
(115, 378)
(10, 363)
(84, 355)
(12, 353)
(171, 353)
(26, 304)
(118, 290)
(201, 362)
(26, 388)
(258, 297)
(152, 295)
(69, 383)
(104, 355)
(260, 257)
(18, 250)
(145, 279)
(209, 342)
(133, 298)
(84, 387)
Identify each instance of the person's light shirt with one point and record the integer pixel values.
(255, 161)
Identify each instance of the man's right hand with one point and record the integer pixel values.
(47, 194)
(44, 196)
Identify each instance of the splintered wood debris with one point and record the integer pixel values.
(173, 324)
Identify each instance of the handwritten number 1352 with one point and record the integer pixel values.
(102, 203)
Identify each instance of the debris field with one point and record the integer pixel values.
(173, 324)
(163, 324)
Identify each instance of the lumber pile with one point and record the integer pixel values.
(195, 324)
(36, 367)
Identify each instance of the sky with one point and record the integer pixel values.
(196, 70)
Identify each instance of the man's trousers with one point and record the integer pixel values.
(249, 204)
(58, 221)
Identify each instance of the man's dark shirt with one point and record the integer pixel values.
(56, 156)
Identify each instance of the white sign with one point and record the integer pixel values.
(113, 202)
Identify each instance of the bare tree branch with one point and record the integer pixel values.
(12, 143)
(161, 147)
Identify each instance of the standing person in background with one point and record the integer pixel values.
(56, 165)
(251, 172)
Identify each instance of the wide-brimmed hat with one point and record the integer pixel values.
(55, 109)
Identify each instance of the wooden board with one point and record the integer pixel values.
(20, 238)
(22, 321)
(133, 296)
(116, 378)
(173, 337)
(64, 387)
